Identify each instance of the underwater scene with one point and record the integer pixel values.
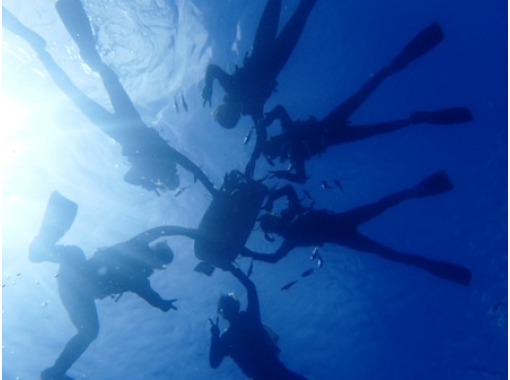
(271, 189)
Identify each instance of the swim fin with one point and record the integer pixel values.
(58, 218)
(77, 23)
(448, 271)
(422, 43)
(434, 184)
(445, 116)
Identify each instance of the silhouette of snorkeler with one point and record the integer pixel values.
(301, 227)
(246, 340)
(153, 161)
(124, 267)
(301, 140)
(249, 87)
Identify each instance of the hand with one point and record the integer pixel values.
(215, 327)
(168, 304)
(207, 95)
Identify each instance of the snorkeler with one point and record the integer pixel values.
(302, 227)
(153, 161)
(124, 267)
(249, 87)
(246, 340)
(301, 140)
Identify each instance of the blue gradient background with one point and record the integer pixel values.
(358, 317)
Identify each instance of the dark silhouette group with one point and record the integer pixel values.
(239, 204)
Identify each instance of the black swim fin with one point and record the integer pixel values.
(422, 43)
(77, 23)
(446, 116)
(434, 184)
(448, 271)
(58, 218)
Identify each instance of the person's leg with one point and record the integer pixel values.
(362, 214)
(434, 184)
(288, 38)
(341, 114)
(75, 20)
(335, 136)
(77, 298)
(94, 112)
(267, 27)
(448, 271)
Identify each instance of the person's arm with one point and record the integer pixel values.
(280, 113)
(155, 233)
(217, 349)
(298, 177)
(280, 253)
(213, 72)
(253, 309)
(145, 291)
(286, 191)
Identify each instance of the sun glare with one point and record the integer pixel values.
(13, 118)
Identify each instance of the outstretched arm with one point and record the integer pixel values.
(285, 248)
(145, 291)
(253, 308)
(280, 113)
(285, 191)
(299, 176)
(155, 233)
(213, 72)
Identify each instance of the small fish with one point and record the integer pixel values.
(288, 286)
(326, 186)
(320, 262)
(250, 269)
(176, 106)
(314, 253)
(307, 272)
(183, 101)
(247, 138)
(338, 184)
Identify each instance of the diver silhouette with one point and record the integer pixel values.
(153, 161)
(247, 340)
(301, 140)
(249, 87)
(123, 267)
(301, 227)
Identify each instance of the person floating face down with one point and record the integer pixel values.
(302, 227)
(301, 140)
(246, 340)
(124, 267)
(153, 162)
(249, 87)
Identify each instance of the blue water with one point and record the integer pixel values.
(358, 317)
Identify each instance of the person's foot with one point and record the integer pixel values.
(434, 184)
